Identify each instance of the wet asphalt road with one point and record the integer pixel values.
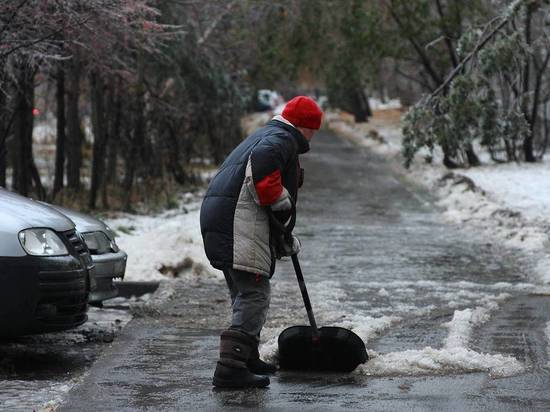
(374, 247)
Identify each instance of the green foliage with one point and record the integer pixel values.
(470, 111)
(502, 56)
(450, 122)
(486, 103)
(418, 132)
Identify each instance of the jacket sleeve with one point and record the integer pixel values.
(268, 160)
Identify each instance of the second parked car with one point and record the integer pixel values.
(108, 259)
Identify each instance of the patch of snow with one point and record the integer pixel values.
(269, 351)
(430, 361)
(523, 187)
(367, 328)
(383, 292)
(460, 327)
(377, 104)
(548, 342)
(170, 242)
(543, 270)
(454, 357)
(34, 400)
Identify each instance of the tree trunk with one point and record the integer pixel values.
(3, 135)
(471, 155)
(546, 131)
(3, 165)
(22, 155)
(360, 105)
(528, 141)
(74, 134)
(60, 144)
(110, 108)
(138, 139)
(38, 187)
(448, 162)
(130, 170)
(100, 136)
(114, 137)
(174, 157)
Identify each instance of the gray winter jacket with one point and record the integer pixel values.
(234, 221)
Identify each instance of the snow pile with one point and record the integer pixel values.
(367, 328)
(543, 270)
(454, 357)
(429, 361)
(500, 207)
(460, 327)
(466, 202)
(524, 187)
(381, 134)
(377, 104)
(166, 245)
(269, 351)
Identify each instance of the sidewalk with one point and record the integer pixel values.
(161, 358)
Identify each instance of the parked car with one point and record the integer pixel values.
(108, 259)
(44, 268)
(268, 100)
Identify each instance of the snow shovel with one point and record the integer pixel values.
(307, 348)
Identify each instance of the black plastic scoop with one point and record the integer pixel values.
(308, 348)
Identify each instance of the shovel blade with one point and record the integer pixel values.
(337, 350)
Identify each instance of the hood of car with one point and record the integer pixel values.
(85, 223)
(18, 213)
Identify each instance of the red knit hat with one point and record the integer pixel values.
(302, 111)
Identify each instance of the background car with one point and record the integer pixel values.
(268, 100)
(44, 268)
(108, 259)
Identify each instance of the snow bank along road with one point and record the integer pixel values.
(452, 321)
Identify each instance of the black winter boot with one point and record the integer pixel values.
(231, 370)
(258, 366)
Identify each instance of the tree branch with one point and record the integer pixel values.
(446, 34)
(12, 17)
(215, 22)
(463, 63)
(419, 50)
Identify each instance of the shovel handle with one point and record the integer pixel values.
(305, 296)
(287, 231)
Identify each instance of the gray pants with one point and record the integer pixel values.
(250, 296)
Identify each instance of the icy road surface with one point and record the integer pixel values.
(37, 371)
(452, 322)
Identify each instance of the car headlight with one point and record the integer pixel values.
(114, 246)
(97, 242)
(42, 242)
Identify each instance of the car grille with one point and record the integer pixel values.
(63, 297)
(77, 243)
(64, 294)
